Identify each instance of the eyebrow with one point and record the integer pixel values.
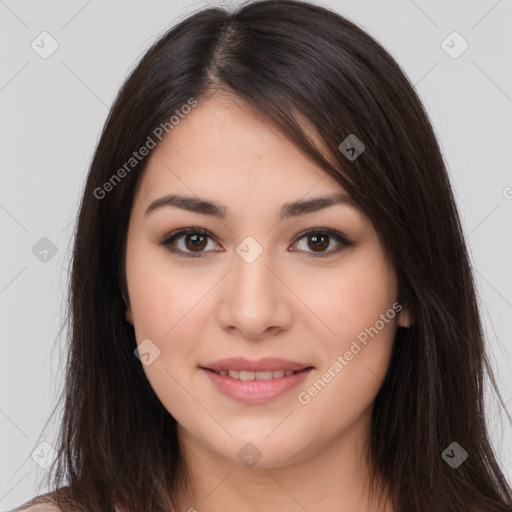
(288, 210)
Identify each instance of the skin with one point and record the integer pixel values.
(286, 303)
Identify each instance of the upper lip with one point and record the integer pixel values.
(257, 365)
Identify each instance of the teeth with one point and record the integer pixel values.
(248, 375)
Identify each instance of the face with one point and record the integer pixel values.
(309, 286)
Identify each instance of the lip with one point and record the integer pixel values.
(259, 365)
(256, 391)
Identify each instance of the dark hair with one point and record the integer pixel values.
(291, 60)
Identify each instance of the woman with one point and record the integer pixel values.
(271, 302)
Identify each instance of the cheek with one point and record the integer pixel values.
(357, 307)
(350, 298)
(165, 301)
(166, 305)
(162, 294)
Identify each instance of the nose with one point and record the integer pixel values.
(255, 302)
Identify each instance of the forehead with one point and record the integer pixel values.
(224, 146)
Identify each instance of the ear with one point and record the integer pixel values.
(129, 316)
(128, 312)
(405, 317)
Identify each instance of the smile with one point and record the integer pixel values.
(255, 387)
(248, 375)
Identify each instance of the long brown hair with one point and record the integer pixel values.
(118, 444)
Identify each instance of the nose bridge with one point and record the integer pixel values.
(254, 298)
(251, 275)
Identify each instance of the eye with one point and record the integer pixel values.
(194, 242)
(319, 239)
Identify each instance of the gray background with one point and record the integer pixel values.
(52, 111)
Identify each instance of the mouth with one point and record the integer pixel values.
(255, 381)
(247, 375)
(260, 366)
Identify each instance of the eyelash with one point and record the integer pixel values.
(336, 235)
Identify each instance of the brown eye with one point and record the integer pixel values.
(190, 242)
(319, 240)
(194, 242)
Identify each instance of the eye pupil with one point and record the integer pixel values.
(198, 241)
(319, 241)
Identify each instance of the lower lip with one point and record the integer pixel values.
(256, 391)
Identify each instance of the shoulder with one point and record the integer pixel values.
(43, 507)
(39, 507)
